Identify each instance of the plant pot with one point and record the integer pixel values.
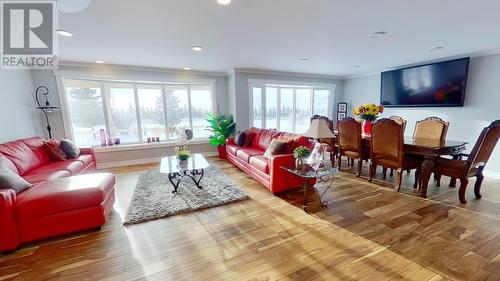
(183, 163)
(222, 151)
(367, 128)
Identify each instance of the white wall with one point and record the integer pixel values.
(18, 116)
(482, 104)
(239, 94)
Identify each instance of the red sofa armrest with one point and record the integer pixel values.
(281, 179)
(9, 235)
(88, 150)
(230, 141)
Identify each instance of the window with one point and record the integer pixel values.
(271, 108)
(151, 111)
(288, 108)
(257, 107)
(86, 110)
(136, 111)
(123, 113)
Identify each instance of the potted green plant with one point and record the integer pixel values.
(299, 153)
(221, 127)
(183, 156)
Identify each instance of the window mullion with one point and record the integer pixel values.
(293, 108)
(311, 98)
(138, 113)
(165, 111)
(189, 108)
(278, 108)
(105, 104)
(263, 107)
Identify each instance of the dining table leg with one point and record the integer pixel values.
(425, 175)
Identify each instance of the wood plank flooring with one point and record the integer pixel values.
(368, 232)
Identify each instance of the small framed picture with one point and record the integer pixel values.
(342, 107)
(341, 116)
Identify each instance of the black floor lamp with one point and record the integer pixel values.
(46, 108)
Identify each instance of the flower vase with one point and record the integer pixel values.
(299, 164)
(367, 127)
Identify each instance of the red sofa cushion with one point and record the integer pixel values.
(21, 155)
(4, 161)
(245, 153)
(86, 159)
(266, 138)
(47, 176)
(38, 146)
(260, 163)
(74, 167)
(256, 132)
(232, 148)
(59, 196)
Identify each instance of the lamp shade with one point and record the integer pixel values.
(319, 130)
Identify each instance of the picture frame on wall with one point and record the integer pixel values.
(341, 116)
(342, 107)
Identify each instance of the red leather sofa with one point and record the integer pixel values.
(268, 172)
(60, 201)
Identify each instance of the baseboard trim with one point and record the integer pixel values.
(142, 161)
(493, 175)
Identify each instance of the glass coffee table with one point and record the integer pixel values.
(323, 174)
(193, 168)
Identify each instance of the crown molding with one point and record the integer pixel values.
(284, 73)
(101, 67)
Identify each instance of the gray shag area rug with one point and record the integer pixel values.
(153, 198)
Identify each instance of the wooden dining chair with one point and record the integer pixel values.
(474, 165)
(330, 142)
(386, 150)
(349, 141)
(401, 121)
(431, 128)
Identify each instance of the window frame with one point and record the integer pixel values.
(66, 114)
(263, 84)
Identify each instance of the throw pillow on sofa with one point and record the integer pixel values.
(11, 180)
(54, 149)
(239, 139)
(276, 147)
(248, 138)
(70, 149)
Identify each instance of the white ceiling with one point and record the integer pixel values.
(276, 34)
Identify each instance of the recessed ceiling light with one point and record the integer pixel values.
(355, 66)
(304, 60)
(435, 49)
(223, 2)
(99, 61)
(187, 68)
(197, 48)
(64, 33)
(377, 34)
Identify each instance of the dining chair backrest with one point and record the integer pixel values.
(349, 138)
(387, 142)
(399, 120)
(431, 128)
(484, 146)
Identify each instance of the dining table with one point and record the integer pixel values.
(428, 150)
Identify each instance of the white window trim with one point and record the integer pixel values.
(263, 83)
(66, 115)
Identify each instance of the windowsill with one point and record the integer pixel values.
(140, 146)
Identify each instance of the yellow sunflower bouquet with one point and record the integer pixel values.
(368, 111)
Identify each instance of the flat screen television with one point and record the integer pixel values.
(430, 85)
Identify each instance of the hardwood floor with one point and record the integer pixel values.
(368, 232)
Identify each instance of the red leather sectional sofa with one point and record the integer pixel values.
(60, 201)
(268, 172)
